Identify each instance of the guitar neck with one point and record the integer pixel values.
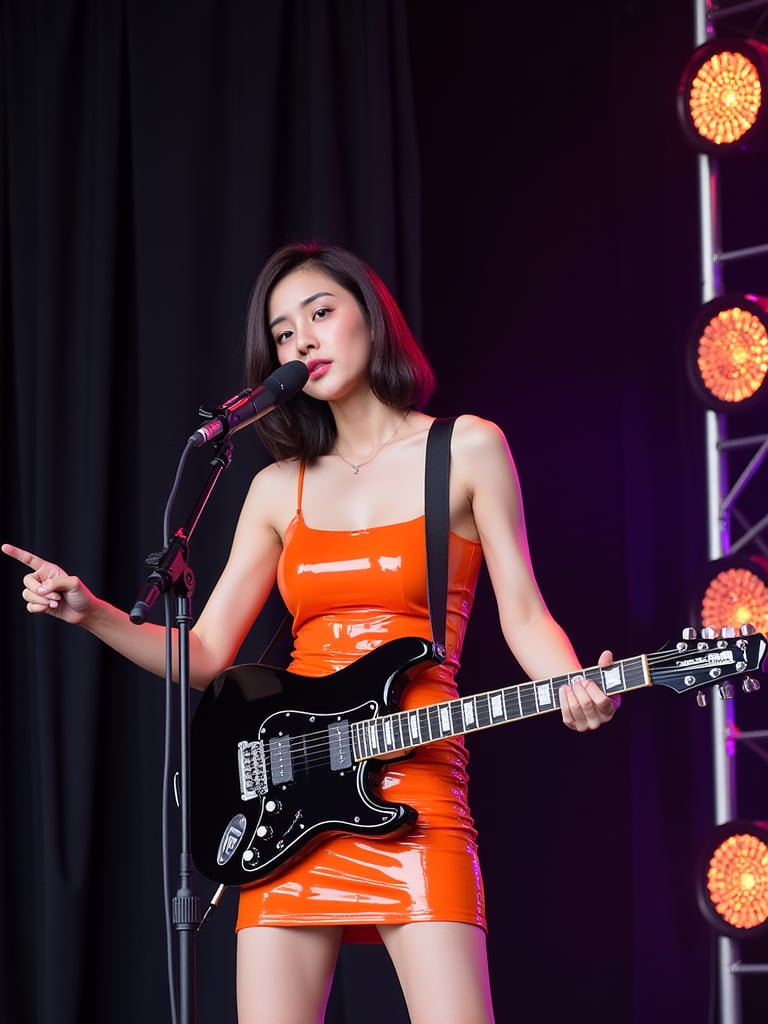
(403, 730)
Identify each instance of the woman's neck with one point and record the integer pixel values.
(364, 426)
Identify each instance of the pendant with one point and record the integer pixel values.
(356, 469)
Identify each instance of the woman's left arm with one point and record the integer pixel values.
(484, 468)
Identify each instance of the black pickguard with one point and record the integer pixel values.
(303, 784)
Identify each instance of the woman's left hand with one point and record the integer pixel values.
(584, 705)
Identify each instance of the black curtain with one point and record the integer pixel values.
(521, 185)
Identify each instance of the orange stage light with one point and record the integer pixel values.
(728, 352)
(723, 94)
(732, 884)
(735, 593)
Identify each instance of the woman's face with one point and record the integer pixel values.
(312, 318)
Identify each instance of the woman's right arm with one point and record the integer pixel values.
(235, 602)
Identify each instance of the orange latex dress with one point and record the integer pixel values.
(349, 592)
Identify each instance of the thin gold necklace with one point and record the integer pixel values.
(357, 466)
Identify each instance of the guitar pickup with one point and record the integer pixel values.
(339, 747)
(252, 768)
(281, 760)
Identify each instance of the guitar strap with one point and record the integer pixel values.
(437, 519)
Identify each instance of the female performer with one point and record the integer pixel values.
(337, 521)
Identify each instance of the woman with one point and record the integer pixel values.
(338, 521)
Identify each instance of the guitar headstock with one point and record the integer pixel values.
(710, 658)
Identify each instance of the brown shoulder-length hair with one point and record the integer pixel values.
(400, 373)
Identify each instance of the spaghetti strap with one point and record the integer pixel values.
(300, 487)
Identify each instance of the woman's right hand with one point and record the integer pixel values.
(49, 590)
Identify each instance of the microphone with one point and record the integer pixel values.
(252, 404)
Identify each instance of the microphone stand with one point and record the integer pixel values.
(170, 571)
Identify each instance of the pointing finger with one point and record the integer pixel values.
(25, 557)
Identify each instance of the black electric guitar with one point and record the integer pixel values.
(279, 762)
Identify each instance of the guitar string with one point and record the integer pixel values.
(318, 740)
(317, 744)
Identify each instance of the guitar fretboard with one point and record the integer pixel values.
(402, 730)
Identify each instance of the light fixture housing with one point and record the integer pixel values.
(732, 879)
(722, 98)
(727, 356)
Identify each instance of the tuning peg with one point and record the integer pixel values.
(689, 633)
(728, 632)
(701, 698)
(725, 690)
(747, 629)
(750, 685)
(708, 633)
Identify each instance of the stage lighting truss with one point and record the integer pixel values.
(723, 95)
(732, 879)
(728, 352)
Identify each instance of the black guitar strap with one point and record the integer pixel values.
(437, 516)
(437, 519)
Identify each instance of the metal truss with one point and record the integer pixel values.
(735, 465)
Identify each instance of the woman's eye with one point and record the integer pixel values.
(321, 314)
(282, 336)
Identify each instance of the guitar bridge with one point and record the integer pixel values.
(253, 769)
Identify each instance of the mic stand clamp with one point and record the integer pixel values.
(168, 568)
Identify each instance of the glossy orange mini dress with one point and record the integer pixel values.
(349, 592)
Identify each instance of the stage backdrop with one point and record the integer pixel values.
(519, 180)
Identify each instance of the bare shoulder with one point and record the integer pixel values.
(277, 474)
(272, 494)
(475, 437)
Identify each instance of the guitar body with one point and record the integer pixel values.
(273, 769)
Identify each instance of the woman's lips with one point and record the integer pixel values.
(317, 367)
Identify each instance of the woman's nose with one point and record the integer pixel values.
(305, 341)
